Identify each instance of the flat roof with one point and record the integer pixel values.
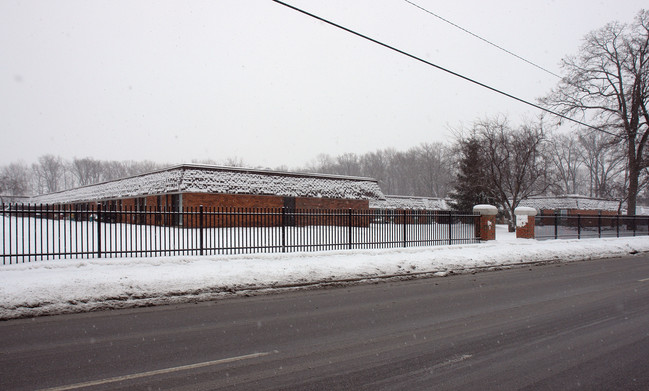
(200, 178)
(570, 201)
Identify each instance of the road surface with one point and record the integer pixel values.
(582, 325)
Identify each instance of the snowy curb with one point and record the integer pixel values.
(66, 286)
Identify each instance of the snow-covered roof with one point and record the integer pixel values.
(194, 178)
(14, 198)
(408, 202)
(570, 201)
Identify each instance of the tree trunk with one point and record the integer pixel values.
(634, 174)
(511, 220)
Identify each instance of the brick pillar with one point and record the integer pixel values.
(487, 224)
(525, 222)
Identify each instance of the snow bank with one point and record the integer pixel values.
(61, 286)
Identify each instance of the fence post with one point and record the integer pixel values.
(283, 229)
(99, 218)
(487, 223)
(556, 225)
(349, 225)
(200, 228)
(525, 222)
(4, 253)
(599, 224)
(617, 228)
(578, 226)
(405, 238)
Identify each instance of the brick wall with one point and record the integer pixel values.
(525, 231)
(194, 200)
(232, 205)
(330, 209)
(330, 203)
(486, 227)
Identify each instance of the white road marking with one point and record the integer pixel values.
(644, 280)
(452, 360)
(156, 372)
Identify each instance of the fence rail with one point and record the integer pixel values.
(583, 226)
(39, 232)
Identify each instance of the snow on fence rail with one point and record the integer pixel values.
(39, 232)
(582, 226)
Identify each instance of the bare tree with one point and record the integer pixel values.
(49, 174)
(425, 170)
(515, 166)
(563, 152)
(322, 163)
(434, 172)
(375, 165)
(608, 83)
(87, 171)
(234, 161)
(604, 163)
(348, 164)
(113, 170)
(14, 180)
(390, 183)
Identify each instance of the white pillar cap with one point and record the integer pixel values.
(525, 211)
(485, 210)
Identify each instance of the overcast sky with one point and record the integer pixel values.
(176, 81)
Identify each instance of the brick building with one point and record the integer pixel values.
(191, 185)
(571, 204)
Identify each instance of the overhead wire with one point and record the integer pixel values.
(466, 78)
(482, 39)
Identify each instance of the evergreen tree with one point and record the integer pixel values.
(470, 185)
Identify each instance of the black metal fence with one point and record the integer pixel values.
(589, 226)
(39, 232)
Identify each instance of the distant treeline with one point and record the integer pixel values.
(575, 163)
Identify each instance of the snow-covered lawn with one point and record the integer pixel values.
(60, 286)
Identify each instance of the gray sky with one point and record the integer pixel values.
(173, 81)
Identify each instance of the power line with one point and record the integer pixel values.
(441, 68)
(482, 39)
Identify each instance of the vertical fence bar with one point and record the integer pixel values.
(405, 235)
(617, 228)
(283, 229)
(27, 211)
(99, 220)
(450, 228)
(4, 248)
(556, 225)
(349, 225)
(47, 229)
(200, 230)
(578, 226)
(10, 236)
(599, 225)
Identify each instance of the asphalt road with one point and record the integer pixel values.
(582, 325)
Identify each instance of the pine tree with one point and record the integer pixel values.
(470, 188)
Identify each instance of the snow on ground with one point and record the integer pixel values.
(63, 286)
